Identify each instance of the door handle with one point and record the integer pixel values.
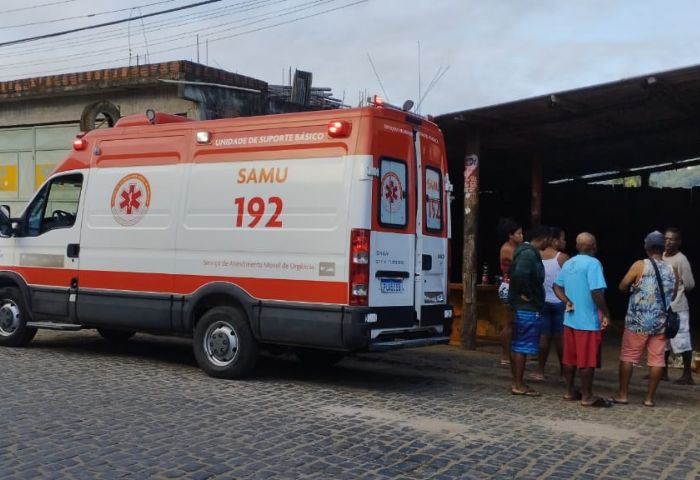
(391, 274)
(73, 250)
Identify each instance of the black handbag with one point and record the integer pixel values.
(673, 320)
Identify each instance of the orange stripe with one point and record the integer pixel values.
(260, 288)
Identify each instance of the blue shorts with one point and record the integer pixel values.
(553, 319)
(526, 332)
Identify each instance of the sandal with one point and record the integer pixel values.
(537, 377)
(577, 396)
(598, 403)
(648, 404)
(529, 392)
(619, 402)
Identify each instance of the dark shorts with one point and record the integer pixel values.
(526, 332)
(581, 348)
(553, 319)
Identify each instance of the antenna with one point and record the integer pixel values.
(438, 75)
(419, 83)
(378, 77)
(143, 29)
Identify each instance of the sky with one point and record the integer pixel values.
(490, 51)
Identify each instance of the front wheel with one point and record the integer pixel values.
(224, 345)
(13, 319)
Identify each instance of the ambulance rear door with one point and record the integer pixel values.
(431, 230)
(392, 240)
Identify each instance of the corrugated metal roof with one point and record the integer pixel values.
(643, 120)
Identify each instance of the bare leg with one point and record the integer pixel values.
(587, 385)
(517, 368)
(654, 378)
(506, 335)
(559, 344)
(625, 377)
(570, 375)
(687, 377)
(545, 340)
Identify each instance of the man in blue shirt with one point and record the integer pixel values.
(581, 286)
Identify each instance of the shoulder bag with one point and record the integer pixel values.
(673, 321)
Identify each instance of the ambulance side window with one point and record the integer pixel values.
(433, 200)
(56, 206)
(393, 210)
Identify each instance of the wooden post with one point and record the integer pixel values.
(471, 216)
(536, 192)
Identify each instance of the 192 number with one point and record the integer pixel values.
(255, 208)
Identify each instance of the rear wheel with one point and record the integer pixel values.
(13, 319)
(115, 335)
(224, 345)
(312, 357)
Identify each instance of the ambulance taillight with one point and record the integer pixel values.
(359, 266)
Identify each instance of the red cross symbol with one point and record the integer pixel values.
(392, 191)
(130, 199)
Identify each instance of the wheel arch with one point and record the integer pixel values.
(220, 294)
(12, 279)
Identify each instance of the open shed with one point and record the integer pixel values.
(618, 159)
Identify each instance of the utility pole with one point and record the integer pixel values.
(471, 219)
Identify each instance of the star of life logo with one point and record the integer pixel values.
(131, 198)
(392, 193)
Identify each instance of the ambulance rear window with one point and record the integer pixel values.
(392, 193)
(433, 200)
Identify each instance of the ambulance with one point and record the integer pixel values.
(323, 233)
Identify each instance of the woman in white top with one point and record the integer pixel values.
(552, 317)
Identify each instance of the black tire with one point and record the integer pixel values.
(224, 345)
(115, 335)
(109, 112)
(13, 319)
(312, 357)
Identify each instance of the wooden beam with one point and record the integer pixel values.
(471, 217)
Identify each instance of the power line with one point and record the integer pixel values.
(89, 15)
(190, 45)
(251, 5)
(21, 9)
(115, 33)
(100, 25)
(211, 29)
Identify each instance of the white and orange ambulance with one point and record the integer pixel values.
(326, 232)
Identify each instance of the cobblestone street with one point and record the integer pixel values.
(74, 406)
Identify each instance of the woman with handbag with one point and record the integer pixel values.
(652, 284)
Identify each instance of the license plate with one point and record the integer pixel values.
(390, 285)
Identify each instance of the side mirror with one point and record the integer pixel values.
(6, 229)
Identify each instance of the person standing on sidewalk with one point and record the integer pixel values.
(680, 344)
(553, 315)
(580, 286)
(513, 233)
(647, 280)
(526, 298)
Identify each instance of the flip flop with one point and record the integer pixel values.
(529, 392)
(535, 377)
(598, 403)
(577, 396)
(504, 363)
(648, 404)
(619, 402)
